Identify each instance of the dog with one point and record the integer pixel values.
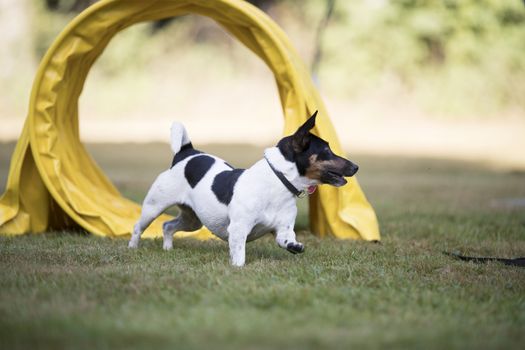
(240, 205)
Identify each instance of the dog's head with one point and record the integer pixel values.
(314, 158)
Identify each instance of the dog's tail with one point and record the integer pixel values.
(179, 137)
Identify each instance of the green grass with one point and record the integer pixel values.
(73, 290)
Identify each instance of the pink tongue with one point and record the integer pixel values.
(311, 189)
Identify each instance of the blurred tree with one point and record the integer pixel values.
(17, 59)
(318, 45)
(69, 5)
(469, 50)
(76, 6)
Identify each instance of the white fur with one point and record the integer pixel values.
(260, 202)
(179, 137)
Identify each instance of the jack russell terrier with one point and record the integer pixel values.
(240, 205)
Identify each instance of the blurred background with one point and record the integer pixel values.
(442, 79)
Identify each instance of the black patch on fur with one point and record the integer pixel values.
(224, 183)
(185, 151)
(294, 145)
(300, 148)
(316, 145)
(285, 146)
(196, 168)
(295, 248)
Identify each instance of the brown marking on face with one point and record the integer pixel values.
(316, 168)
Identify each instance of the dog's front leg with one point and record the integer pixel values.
(285, 238)
(237, 234)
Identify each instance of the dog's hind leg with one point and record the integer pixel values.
(159, 198)
(149, 213)
(187, 220)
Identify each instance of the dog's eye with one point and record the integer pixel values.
(325, 153)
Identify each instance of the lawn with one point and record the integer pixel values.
(74, 290)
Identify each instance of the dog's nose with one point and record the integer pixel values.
(351, 169)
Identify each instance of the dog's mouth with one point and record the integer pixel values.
(334, 178)
(311, 189)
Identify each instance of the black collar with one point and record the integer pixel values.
(285, 181)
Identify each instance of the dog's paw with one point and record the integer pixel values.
(236, 263)
(295, 247)
(133, 244)
(167, 246)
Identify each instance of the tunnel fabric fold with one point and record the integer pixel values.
(55, 184)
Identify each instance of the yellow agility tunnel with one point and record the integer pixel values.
(54, 183)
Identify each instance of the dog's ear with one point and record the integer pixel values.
(301, 138)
